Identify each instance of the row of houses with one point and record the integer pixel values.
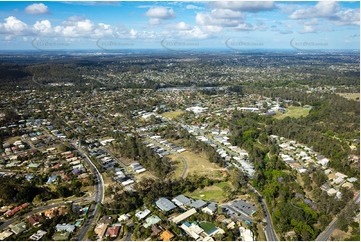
(301, 158)
(238, 157)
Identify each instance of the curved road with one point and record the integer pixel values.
(98, 198)
(185, 165)
(325, 235)
(269, 230)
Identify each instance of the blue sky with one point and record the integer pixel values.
(179, 25)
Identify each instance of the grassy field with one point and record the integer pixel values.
(178, 163)
(143, 175)
(293, 112)
(13, 139)
(208, 227)
(173, 114)
(197, 164)
(351, 96)
(261, 235)
(211, 193)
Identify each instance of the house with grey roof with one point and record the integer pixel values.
(182, 200)
(65, 227)
(198, 204)
(165, 205)
(210, 209)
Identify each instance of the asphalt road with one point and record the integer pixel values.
(325, 235)
(269, 230)
(99, 194)
(34, 211)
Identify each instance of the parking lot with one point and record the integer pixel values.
(240, 209)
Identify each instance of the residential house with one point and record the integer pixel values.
(246, 234)
(38, 235)
(5, 234)
(65, 227)
(18, 228)
(164, 204)
(123, 217)
(210, 209)
(35, 220)
(166, 235)
(193, 230)
(142, 214)
(155, 230)
(181, 200)
(113, 231)
(151, 221)
(198, 204)
(100, 230)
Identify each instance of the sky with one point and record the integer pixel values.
(184, 25)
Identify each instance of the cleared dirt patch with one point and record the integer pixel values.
(196, 164)
(173, 114)
(293, 112)
(351, 96)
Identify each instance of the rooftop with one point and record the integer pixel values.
(181, 200)
(166, 235)
(198, 204)
(165, 204)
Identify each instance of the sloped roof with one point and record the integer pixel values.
(181, 200)
(198, 204)
(165, 204)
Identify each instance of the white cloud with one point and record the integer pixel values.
(157, 14)
(323, 9)
(308, 29)
(191, 6)
(247, 6)
(227, 14)
(217, 19)
(330, 11)
(347, 17)
(36, 8)
(182, 26)
(194, 33)
(13, 26)
(133, 33)
(313, 21)
(160, 12)
(43, 27)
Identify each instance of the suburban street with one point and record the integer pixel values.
(37, 210)
(99, 193)
(269, 230)
(98, 198)
(325, 235)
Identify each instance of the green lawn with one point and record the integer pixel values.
(211, 193)
(61, 236)
(173, 114)
(222, 184)
(261, 235)
(293, 112)
(208, 227)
